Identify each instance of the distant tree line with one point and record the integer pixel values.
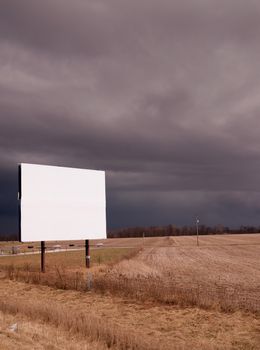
(169, 230)
(172, 230)
(8, 236)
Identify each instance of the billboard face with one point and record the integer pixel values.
(58, 203)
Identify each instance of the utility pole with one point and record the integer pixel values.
(197, 226)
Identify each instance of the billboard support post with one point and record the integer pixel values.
(61, 203)
(42, 256)
(87, 254)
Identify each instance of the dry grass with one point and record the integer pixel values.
(117, 323)
(69, 259)
(64, 270)
(149, 294)
(223, 273)
(38, 335)
(213, 275)
(87, 325)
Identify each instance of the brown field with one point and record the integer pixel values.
(70, 259)
(152, 293)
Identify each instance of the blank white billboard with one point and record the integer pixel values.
(58, 203)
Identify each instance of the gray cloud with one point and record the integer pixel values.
(163, 95)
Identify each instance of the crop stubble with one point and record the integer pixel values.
(158, 293)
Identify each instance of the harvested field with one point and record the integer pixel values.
(221, 271)
(166, 293)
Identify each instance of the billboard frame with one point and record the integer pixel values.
(43, 246)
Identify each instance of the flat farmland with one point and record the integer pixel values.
(220, 267)
(70, 259)
(151, 293)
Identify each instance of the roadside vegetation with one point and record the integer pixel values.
(219, 277)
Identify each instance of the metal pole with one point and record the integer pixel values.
(87, 254)
(42, 256)
(197, 225)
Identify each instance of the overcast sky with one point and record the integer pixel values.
(164, 95)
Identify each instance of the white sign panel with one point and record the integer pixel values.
(58, 203)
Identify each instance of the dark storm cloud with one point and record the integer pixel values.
(163, 95)
(93, 27)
